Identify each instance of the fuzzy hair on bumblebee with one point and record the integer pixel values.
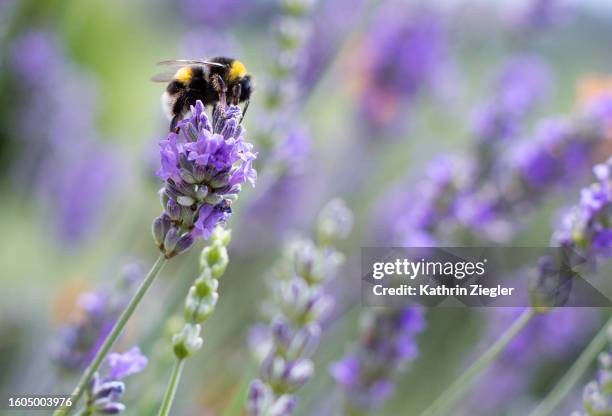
(219, 79)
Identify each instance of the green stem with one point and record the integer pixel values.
(461, 385)
(114, 334)
(164, 410)
(563, 387)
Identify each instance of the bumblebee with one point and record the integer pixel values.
(219, 79)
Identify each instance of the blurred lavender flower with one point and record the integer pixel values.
(561, 332)
(405, 52)
(522, 83)
(206, 42)
(296, 312)
(460, 197)
(105, 391)
(597, 394)
(430, 203)
(587, 227)
(278, 206)
(75, 177)
(386, 345)
(540, 15)
(99, 310)
(204, 166)
(327, 37)
(554, 152)
(486, 195)
(214, 13)
(292, 29)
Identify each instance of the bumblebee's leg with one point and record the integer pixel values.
(174, 122)
(236, 92)
(221, 89)
(244, 110)
(178, 109)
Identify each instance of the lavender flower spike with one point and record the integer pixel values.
(387, 344)
(105, 391)
(284, 345)
(203, 165)
(597, 394)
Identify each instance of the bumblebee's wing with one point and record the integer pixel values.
(166, 76)
(183, 62)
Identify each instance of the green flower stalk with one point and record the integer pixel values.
(199, 305)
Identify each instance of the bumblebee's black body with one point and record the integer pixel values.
(208, 81)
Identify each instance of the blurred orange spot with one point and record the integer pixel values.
(592, 87)
(64, 306)
(589, 89)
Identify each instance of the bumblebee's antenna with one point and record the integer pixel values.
(182, 62)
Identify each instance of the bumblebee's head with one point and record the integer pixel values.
(246, 87)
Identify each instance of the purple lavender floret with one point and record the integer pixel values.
(105, 390)
(204, 166)
(387, 344)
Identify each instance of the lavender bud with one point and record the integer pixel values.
(108, 388)
(220, 180)
(305, 342)
(334, 223)
(186, 217)
(201, 193)
(187, 176)
(199, 308)
(205, 284)
(173, 210)
(283, 406)
(215, 258)
(187, 341)
(160, 228)
(172, 237)
(199, 173)
(221, 236)
(259, 398)
(183, 244)
(300, 371)
(185, 201)
(213, 199)
(110, 408)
